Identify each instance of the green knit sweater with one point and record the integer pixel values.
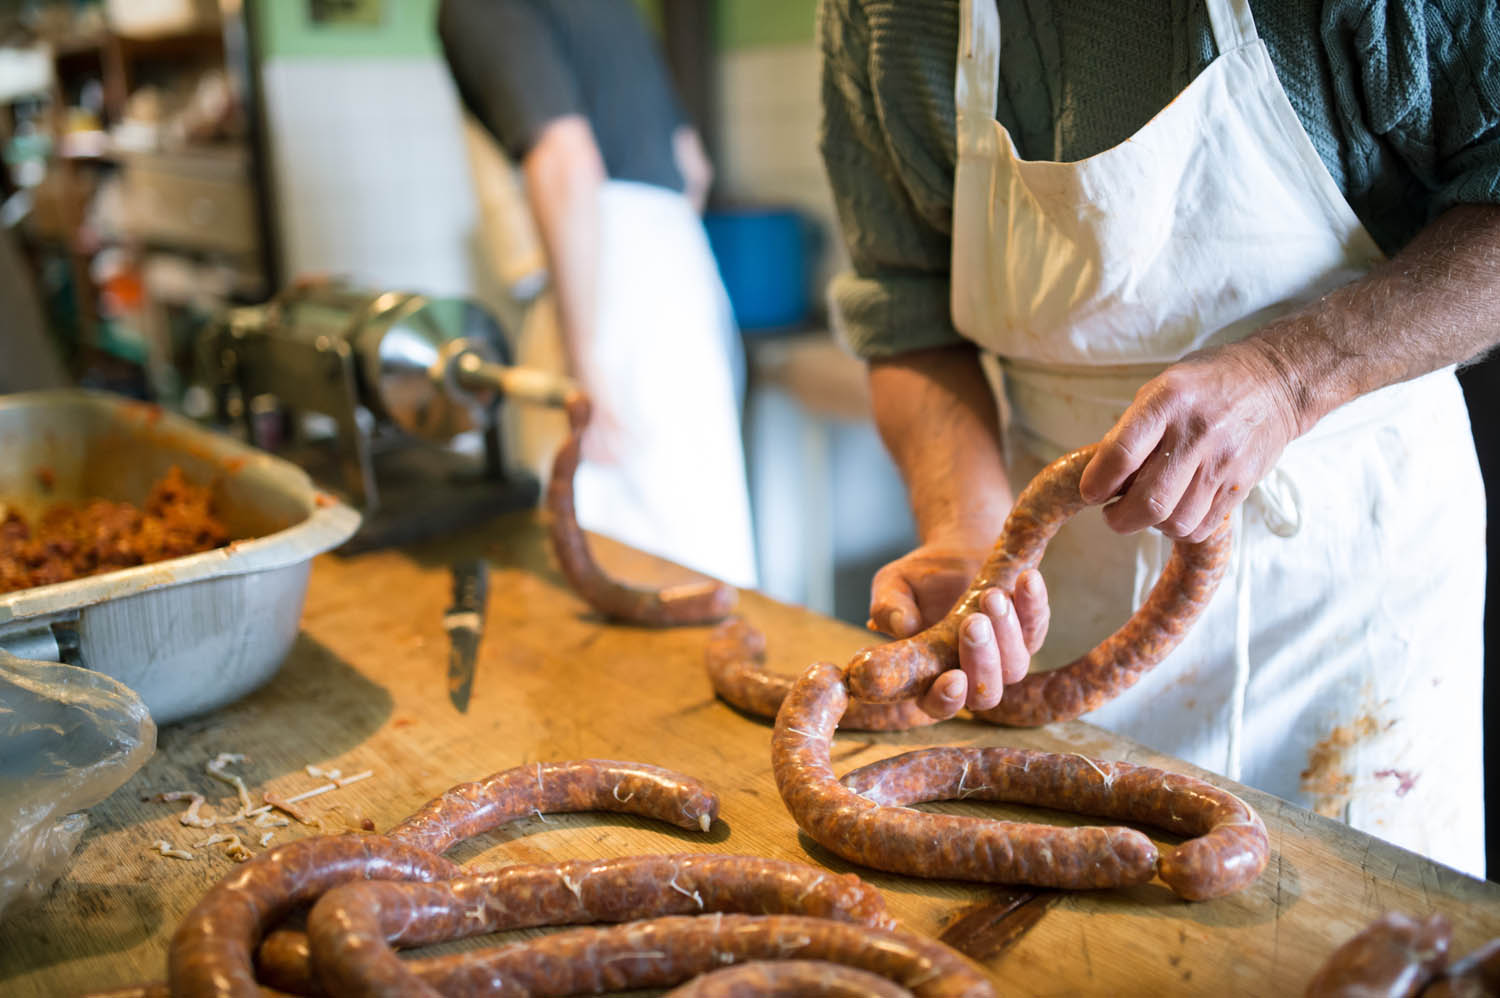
(1401, 99)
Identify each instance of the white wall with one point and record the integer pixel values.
(370, 172)
(769, 114)
(829, 506)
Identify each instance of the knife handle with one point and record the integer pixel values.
(470, 587)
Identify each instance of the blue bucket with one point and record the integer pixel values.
(762, 255)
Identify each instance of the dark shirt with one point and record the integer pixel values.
(1401, 99)
(522, 64)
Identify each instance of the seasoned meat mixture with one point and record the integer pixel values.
(71, 541)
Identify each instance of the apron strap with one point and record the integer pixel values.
(1233, 26)
(977, 83)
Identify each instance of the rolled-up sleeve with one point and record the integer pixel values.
(895, 297)
(508, 68)
(1417, 83)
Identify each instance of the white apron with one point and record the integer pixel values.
(664, 338)
(1340, 664)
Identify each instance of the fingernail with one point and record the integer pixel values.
(900, 622)
(974, 630)
(952, 687)
(997, 605)
(1032, 584)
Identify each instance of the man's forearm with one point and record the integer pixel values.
(1435, 303)
(938, 419)
(564, 174)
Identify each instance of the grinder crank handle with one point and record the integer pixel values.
(525, 384)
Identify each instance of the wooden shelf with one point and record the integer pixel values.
(121, 62)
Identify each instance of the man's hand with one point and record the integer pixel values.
(1195, 441)
(995, 645)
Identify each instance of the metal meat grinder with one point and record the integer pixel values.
(399, 381)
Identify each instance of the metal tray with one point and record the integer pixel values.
(188, 634)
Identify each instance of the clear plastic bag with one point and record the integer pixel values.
(69, 737)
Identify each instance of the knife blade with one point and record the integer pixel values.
(464, 622)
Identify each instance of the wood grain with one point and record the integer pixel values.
(365, 687)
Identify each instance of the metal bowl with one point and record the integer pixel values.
(188, 634)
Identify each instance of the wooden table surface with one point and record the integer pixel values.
(364, 688)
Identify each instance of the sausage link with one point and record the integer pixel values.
(1475, 976)
(663, 952)
(790, 979)
(210, 951)
(902, 669)
(351, 927)
(736, 660)
(931, 845)
(1228, 852)
(559, 787)
(696, 603)
(284, 962)
(1395, 957)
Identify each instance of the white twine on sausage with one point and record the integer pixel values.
(1109, 778)
(702, 818)
(682, 890)
(809, 889)
(964, 791)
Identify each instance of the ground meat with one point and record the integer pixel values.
(71, 541)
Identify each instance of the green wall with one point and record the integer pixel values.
(406, 28)
(743, 23)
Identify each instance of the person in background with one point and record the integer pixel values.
(1243, 250)
(576, 93)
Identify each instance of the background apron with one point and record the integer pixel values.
(1340, 663)
(665, 338)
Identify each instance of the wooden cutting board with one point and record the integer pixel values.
(364, 688)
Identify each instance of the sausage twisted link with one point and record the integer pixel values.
(930, 845)
(902, 669)
(866, 823)
(663, 952)
(736, 659)
(470, 809)
(351, 927)
(210, 953)
(1228, 850)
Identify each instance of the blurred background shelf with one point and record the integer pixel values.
(132, 149)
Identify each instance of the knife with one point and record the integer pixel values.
(464, 623)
